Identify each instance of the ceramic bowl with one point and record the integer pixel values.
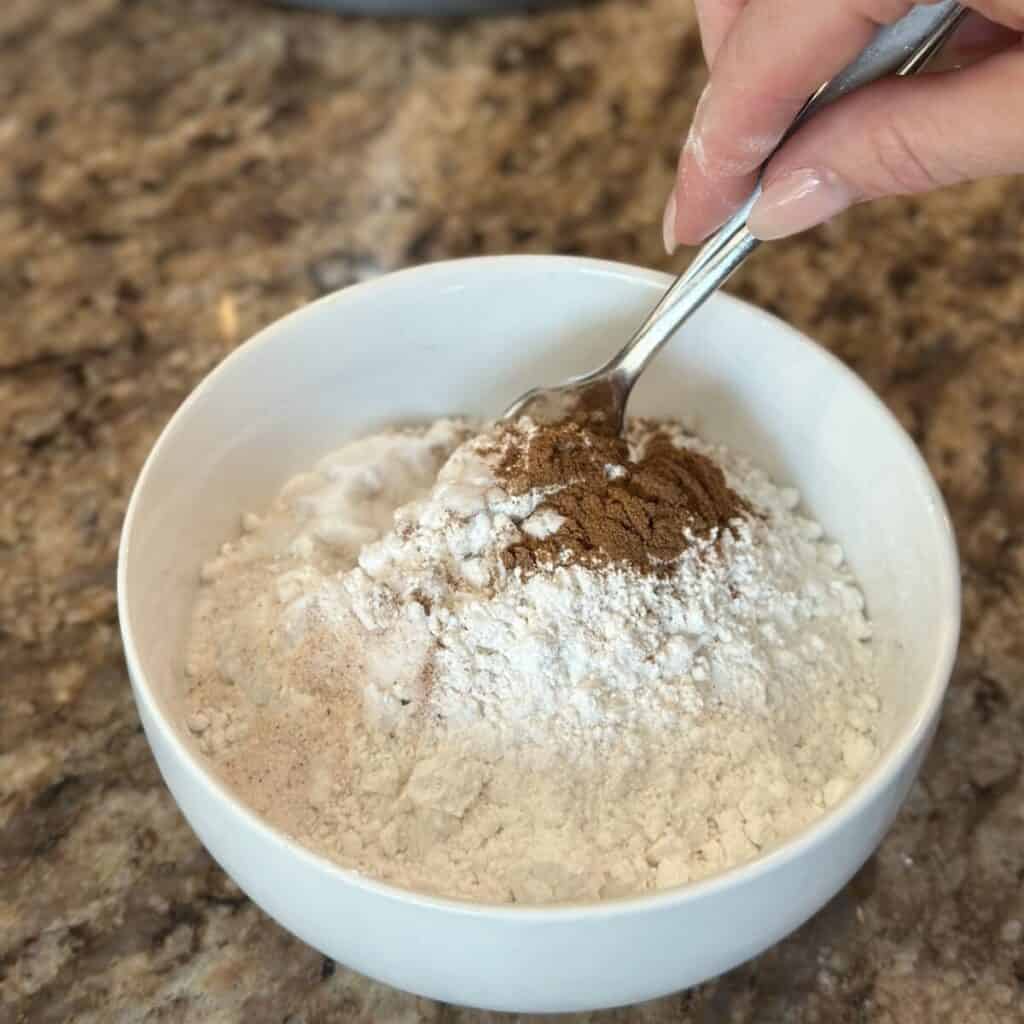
(466, 337)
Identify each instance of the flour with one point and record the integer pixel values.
(371, 672)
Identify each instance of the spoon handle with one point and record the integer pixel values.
(904, 47)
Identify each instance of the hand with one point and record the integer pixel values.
(895, 137)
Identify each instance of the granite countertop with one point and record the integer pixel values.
(177, 173)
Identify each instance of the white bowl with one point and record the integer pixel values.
(466, 337)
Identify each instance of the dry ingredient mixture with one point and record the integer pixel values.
(534, 664)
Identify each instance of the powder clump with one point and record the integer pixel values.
(615, 509)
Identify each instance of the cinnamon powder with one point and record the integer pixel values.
(616, 511)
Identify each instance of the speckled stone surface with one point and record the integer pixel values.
(176, 173)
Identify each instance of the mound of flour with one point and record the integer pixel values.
(373, 670)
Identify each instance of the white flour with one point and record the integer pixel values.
(370, 677)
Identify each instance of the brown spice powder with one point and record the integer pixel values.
(640, 516)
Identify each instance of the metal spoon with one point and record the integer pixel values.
(904, 47)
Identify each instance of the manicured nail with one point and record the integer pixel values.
(797, 201)
(668, 224)
(694, 144)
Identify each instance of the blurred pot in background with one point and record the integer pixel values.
(428, 7)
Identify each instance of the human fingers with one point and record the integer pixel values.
(715, 18)
(774, 55)
(897, 137)
(976, 39)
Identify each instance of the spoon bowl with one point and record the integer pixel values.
(598, 399)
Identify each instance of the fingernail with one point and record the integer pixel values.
(797, 201)
(700, 110)
(668, 224)
(694, 144)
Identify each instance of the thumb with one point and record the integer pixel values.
(897, 137)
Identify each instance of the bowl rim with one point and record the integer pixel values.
(864, 793)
